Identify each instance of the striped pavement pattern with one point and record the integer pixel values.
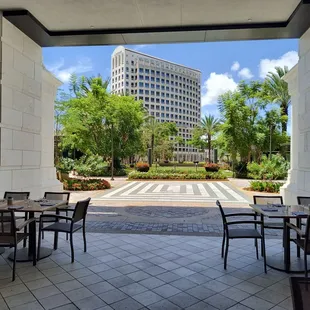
(174, 191)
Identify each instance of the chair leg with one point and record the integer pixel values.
(39, 243)
(84, 237)
(25, 232)
(306, 264)
(256, 247)
(71, 245)
(14, 263)
(264, 254)
(223, 244)
(67, 235)
(226, 253)
(42, 234)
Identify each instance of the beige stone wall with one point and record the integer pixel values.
(298, 183)
(26, 122)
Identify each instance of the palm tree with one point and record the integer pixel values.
(209, 126)
(277, 91)
(81, 86)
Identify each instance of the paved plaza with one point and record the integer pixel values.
(175, 191)
(155, 272)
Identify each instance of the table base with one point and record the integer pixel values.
(2, 250)
(296, 266)
(22, 254)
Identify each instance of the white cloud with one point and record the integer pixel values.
(245, 73)
(141, 47)
(289, 59)
(63, 73)
(235, 66)
(216, 85)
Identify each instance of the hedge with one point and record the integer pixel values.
(176, 176)
(265, 186)
(86, 184)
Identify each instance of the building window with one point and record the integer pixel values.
(147, 85)
(147, 71)
(147, 92)
(140, 84)
(141, 91)
(152, 79)
(141, 70)
(132, 63)
(141, 77)
(147, 78)
(157, 86)
(157, 80)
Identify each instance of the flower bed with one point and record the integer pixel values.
(176, 176)
(142, 167)
(86, 184)
(212, 167)
(265, 186)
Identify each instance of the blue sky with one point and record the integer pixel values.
(222, 64)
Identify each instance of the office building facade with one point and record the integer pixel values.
(170, 92)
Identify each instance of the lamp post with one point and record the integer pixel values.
(112, 154)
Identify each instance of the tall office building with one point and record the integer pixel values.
(169, 91)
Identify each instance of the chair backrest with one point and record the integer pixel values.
(263, 200)
(305, 201)
(57, 196)
(17, 195)
(222, 212)
(7, 223)
(80, 210)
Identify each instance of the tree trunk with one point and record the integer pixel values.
(284, 112)
(152, 146)
(209, 148)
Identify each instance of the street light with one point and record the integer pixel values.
(104, 122)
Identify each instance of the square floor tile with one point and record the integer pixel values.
(127, 304)
(166, 290)
(78, 294)
(164, 304)
(200, 292)
(90, 303)
(69, 286)
(183, 300)
(133, 289)
(151, 282)
(46, 291)
(256, 303)
(109, 274)
(54, 301)
(112, 296)
(147, 298)
(235, 294)
(183, 284)
(121, 281)
(220, 302)
(29, 306)
(101, 287)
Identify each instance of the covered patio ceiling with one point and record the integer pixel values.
(113, 22)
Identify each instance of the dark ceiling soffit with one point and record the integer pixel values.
(296, 25)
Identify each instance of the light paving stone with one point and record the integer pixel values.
(151, 282)
(256, 303)
(200, 292)
(29, 306)
(78, 294)
(54, 301)
(220, 302)
(183, 300)
(101, 287)
(46, 291)
(163, 304)
(127, 304)
(90, 303)
(271, 296)
(133, 289)
(13, 290)
(112, 296)
(20, 299)
(121, 281)
(166, 291)
(201, 306)
(32, 285)
(235, 294)
(69, 285)
(138, 275)
(147, 298)
(92, 279)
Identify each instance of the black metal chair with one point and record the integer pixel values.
(302, 240)
(241, 233)
(10, 236)
(56, 196)
(74, 224)
(19, 196)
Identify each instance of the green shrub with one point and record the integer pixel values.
(269, 169)
(65, 165)
(142, 167)
(265, 186)
(180, 164)
(240, 170)
(151, 175)
(86, 184)
(210, 167)
(93, 165)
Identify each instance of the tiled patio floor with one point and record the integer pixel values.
(131, 271)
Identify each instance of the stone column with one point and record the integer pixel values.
(24, 115)
(298, 183)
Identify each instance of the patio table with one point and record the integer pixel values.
(286, 213)
(31, 207)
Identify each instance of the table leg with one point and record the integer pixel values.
(298, 224)
(262, 233)
(287, 244)
(56, 233)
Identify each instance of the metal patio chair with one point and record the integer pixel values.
(10, 234)
(73, 224)
(241, 233)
